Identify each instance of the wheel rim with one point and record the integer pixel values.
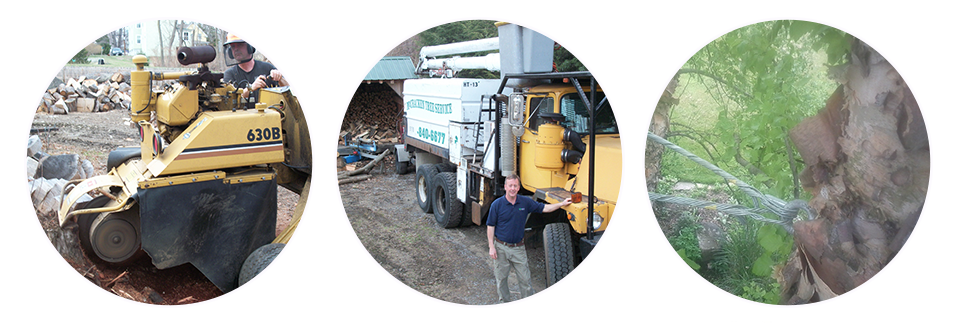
(422, 188)
(441, 201)
(114, 238)
(285, 287)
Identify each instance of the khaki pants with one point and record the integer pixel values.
(507, 258)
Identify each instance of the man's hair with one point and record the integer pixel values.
(511, 176)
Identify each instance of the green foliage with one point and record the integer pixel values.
(457, 32)
(739, 97)
(738, 254)
(566, 62)
(748, 257)
(768, 293)
(81, 56)
(685, 240)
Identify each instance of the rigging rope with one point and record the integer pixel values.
(785, 211)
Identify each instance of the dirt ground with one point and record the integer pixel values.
(93, 136)
(448, 264)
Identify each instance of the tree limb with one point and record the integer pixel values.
(716, 78)
(366, 167)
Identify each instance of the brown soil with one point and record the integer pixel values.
(93, 136)
(448, 264)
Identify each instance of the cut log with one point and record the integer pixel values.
(366, 167)
(85, 105)
(353, 179)
(60, 107)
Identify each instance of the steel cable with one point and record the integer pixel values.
(785, 211)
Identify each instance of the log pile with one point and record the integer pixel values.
(374, 112)
(83, 94)
(364, 133)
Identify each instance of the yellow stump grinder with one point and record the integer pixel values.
(202, 186)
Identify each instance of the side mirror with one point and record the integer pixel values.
(515, 113)
(515, 107)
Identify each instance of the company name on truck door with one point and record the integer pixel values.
(430, 106)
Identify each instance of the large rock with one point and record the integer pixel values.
(64, 166)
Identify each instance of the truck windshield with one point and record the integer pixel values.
(578, 119)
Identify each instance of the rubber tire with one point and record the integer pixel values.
(557, 251)
(258, 292)
(402, 168)
(421, 186)
(447, 209)
(446, 167)
(467, 218)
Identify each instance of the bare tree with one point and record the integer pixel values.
(118, 38)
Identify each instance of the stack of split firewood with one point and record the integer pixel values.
(83, 94)
(362, 133)
(373, 106)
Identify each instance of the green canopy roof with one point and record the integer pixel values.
(389, 68)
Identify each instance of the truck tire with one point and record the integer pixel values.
(401, 167)
(447, 209)
(281, 285)
(422, 183)
(557, 251)
(446, 167)
(467, 218)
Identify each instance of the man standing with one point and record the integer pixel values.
(506, 220)
(248, 73)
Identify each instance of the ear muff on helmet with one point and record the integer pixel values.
(242, 32)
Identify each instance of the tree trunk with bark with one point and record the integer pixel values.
(668, 58)
(867, 166)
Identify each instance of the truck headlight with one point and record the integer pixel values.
(597, 221)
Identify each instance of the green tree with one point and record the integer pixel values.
(81, 56)
(865, 158)
(734, 102)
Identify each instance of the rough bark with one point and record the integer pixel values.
(660, 126)
(867, 166)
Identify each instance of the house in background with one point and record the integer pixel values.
(149, 38)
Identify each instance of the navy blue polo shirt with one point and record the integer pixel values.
(510, 219)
